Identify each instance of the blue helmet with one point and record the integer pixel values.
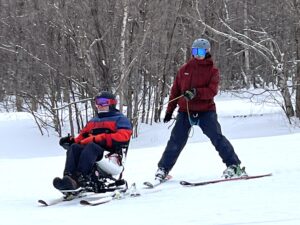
(201, 43)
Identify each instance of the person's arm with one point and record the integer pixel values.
(84, 133)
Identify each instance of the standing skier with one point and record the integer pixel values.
(99, 141)
(197, 81)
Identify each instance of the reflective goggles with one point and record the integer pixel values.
(199, 52)
(105, 101)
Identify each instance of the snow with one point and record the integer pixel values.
(261, 136)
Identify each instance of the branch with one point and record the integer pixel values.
(48, 65)
(254, 47)
(255, 44)
(6, 48)
(82, 100)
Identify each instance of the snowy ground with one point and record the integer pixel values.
(263, 140)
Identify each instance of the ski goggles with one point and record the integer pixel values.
(199, 52)
(105, 101)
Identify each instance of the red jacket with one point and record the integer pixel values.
(199, 74)
(111, 129)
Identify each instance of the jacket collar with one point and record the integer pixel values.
(108, 114)
(196, 62)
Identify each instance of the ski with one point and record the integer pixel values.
(66, 198)
(102, 200)
(116, 195)
(91, 198)
(156, 182)
(193, 184)
(51, 202)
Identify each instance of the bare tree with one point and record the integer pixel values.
(272, 55)
(56, 55)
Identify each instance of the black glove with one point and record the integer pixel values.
(168, 117)
(65, 142)
(190, 94)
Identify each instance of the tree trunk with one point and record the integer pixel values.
(70, 116)
(144, 94)
(123, 53)
(297, 76)
(246, 52)
(282, 84)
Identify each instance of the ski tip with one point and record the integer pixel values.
(266, 175)
(84, 202)
(135, 194)
(96, 202)
(185, 183)
(257, 176)
(42, 202)
(148, 184)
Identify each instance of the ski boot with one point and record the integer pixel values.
(234, 171)
(161, 174)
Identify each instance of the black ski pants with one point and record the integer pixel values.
(210, 126)
(81, 158)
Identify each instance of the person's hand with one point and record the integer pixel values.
(168, 117)
(66, 140)
(190, 94)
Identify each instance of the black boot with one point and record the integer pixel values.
(66, 183)
(57, 182)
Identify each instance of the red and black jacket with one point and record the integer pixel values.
(199, 74)
(114, 126)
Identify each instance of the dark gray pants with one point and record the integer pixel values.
(82, 158)
(210, 126)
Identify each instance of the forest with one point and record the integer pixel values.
(56, 55)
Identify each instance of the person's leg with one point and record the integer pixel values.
(72, 159)
(68, 181)
(210, 126)
(90, 154)
(176, 143)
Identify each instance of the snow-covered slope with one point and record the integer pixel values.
(263, 140)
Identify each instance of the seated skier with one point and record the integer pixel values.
(99, 143)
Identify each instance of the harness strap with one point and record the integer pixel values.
(194, 115)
